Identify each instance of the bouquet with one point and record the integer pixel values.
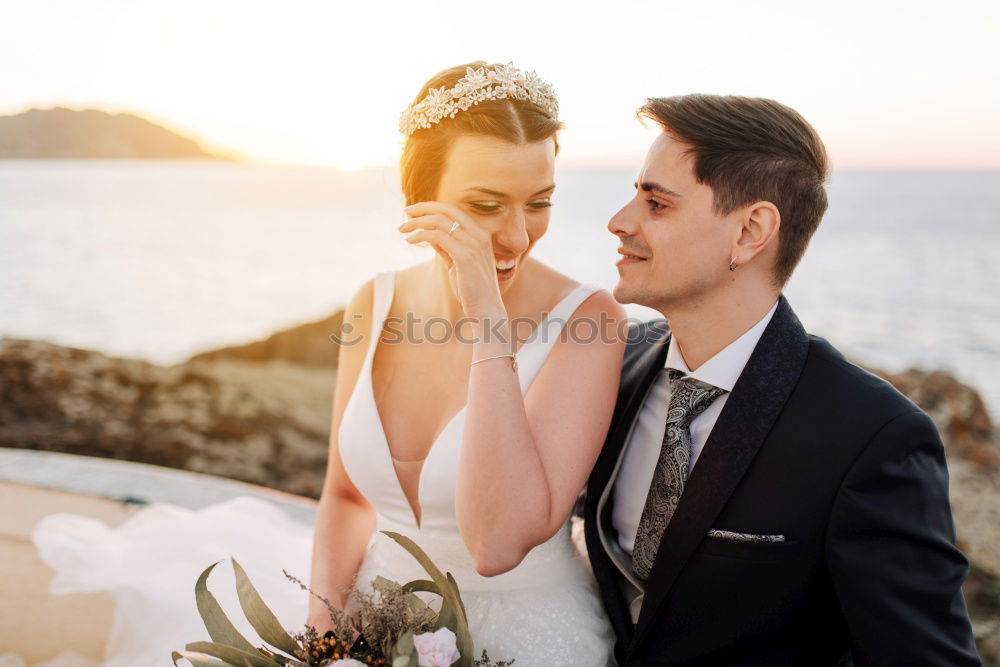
(394, 628)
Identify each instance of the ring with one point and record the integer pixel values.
(454, 226)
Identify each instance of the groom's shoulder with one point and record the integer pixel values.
(641, 335)
(845, 382)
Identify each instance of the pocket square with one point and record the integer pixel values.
(744, 537)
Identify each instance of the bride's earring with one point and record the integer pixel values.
(732, 264)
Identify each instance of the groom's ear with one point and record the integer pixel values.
(759, 231)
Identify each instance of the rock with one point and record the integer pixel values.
(261, 413)
(975, 499)
(958, 410)
(987, 634)
(312, 344)
(265, 423)
(974, 489)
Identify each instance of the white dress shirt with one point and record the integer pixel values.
(643, 447)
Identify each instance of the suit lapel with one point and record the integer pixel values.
(750, 411)
(642, 363)
(644, 358)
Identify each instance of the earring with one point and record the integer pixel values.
(732, 265)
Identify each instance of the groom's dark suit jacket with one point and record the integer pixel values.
(816, 449)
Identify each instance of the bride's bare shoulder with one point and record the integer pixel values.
(362, 301)
(359, 306)
(600, 306)
(556, 285)
(413, 273)
(553, 283)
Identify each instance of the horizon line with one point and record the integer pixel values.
(228, 154)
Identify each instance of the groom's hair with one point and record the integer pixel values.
(750, 149)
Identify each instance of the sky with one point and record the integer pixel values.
(888, 84)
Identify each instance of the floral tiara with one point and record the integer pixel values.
(500, 82)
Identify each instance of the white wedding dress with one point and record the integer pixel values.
(545, 612)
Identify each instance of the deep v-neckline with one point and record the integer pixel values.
(415, 502)
(417, 514)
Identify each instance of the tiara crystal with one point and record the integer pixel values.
(500, 82)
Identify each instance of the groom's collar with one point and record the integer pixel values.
(725, 367)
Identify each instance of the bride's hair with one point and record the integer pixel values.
(516, 121)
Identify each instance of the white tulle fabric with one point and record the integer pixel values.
(150, 562)
(545, 612)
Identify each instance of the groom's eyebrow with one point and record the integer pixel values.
(502, 194)
(658, 189)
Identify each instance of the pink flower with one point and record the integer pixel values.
(436, 649)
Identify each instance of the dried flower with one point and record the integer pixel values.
(486, 661)
(389, 613)
(392, 624)
(342, 628)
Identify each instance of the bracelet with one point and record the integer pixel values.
(513, 360)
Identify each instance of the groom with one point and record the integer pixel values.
(759, 500)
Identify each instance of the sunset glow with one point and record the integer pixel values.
(888, 84)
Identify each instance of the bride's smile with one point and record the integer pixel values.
(506, 189)
(476, 445)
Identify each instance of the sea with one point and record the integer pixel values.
(163, 259)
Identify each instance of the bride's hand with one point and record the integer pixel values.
(467, 249)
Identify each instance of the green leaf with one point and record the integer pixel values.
(219, 627)
(232, 656)
(458, 594)
(405, 644)
(404, 653)
(448, 592)
(416, 605)
(197, 659)
(383, 585)
(422, 586)
(263, 620)
(447, 618)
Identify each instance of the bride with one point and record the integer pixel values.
(474, 396)
(436, 432)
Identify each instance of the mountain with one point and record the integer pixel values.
(66, 133)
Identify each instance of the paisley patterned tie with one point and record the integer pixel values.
(688, 399)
